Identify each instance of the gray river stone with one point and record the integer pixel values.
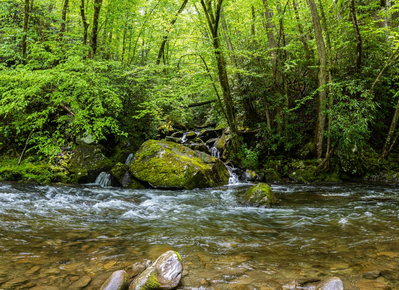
(331, 284)
(119, 280)
(165, 273)
(82, 282)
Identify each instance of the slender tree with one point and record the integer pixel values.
(321, 107)
(213, 13)
(63, 19)
(94, 32)
(84, 21)
(165, 38)
(357, 35)
(25, 29)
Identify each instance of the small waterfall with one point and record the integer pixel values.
(103, 179)
(129, 158)
(184, 138)
(233, 177)
(214, 151)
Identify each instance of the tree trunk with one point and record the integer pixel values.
(165, 38)
(329, 69)
(357, 35)
(25, 29)
(277, 77)
(84, 21)
(94, 31)
(253, 20)
(301, 33)
(391, 132)
(213, 19)
(321, 108)
(63, 19)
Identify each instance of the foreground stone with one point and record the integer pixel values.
(165, 273)
(371, 285)
(331, 284)
(169, 165)
(87, 162)
(260, 195)
(119, 280)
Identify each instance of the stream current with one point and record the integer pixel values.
(316, 231)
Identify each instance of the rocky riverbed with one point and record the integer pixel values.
(74, 237)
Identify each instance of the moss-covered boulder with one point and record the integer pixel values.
(199, 146)
(250, 175)
(205, 135)
(302, 175)
(121, 173)
(165, 164)
(260, 195)
(307, 151)
(87, 162)
(191, 135)
(271, 176)
(165, 273)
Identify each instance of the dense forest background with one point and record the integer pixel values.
(309, 77)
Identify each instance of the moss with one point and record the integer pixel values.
(260, 195)
(40, 172)
(303, 175)
(151, 283)
(220, 143)
(119, 171)
(171, 165)
(178, 255)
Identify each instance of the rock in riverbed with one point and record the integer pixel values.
(169, 165)
(165, 273)
(260, 195)
(119, 280)
(331, 284)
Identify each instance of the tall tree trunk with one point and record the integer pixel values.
(329, 70)
(63, 19)
(321, 108)
(357, 35)
(84, 21)
(165, 38)
(301, 33)
(94, 31)
(277, 77)
(213, 19)
(25, 29)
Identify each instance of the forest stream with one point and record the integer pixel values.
(54, 235)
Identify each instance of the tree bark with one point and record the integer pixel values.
(93, 37)
(321, 108)
(25, 29)
(165, 38)
(357, 35)
(391, 132)
(63, 19)
(213, 19)
(253, 20)
(301, 33)
(84, 21)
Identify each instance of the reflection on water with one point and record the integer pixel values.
(316, 232)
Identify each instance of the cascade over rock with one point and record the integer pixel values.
(121, 173)
(169, 165)
(87, 162)
(165, 273)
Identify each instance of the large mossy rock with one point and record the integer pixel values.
(165, 273)
(121, 173)
(260, 195)
(87, 162)
(305, 175)
(165, 164)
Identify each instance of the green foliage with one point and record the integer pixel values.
(249, 158)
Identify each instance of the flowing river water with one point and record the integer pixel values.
(55, 235)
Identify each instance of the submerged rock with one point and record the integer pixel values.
(87, 162)
(119, 280)
(260, 195)
(165, 273)
(79, 284)
(121, 173)
(136, 269)
(170, 165)
(331, 284)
